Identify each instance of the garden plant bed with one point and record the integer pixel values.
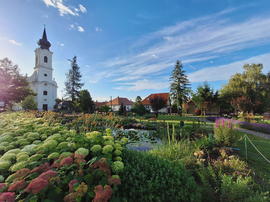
(86, 159)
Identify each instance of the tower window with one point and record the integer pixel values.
(45, 92)
(45, 75)
(45, 59)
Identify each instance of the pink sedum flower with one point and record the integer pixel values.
(17, 185)
(7, 197)
(2, 185)
(36, 185)
(41, 168)
(48, 175)
(71, 184)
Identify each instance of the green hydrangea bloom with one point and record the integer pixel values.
(124, 140)
(4, 165)
(37, 142)
(117, 152)
(4, 144)
(115, 176)
(109, 143)
(2, 148)
(117, 145)
(118, 142)
(118, 158)
(9, 147)
(62, 145)
(8, 157)
(109, 131)
(96, 148)
(57, 137)
(50, 144)
(22, 158)
(107, 149)
(44, 136)
(35, 136)
(23, 142)
(111, 138)
(93, 135)
(117, 166)
(35, 157)
(66, 154)
(14, 151)
(10, 178)
(83, 151)
(53, 155)
(56, 130)
(21, 153)
(19, 165)
(2, 179)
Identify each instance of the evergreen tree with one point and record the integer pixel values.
(13, 86)
(73, 84)
(179, 83)
(121, 109)
(86, 101)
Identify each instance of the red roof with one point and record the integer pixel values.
(119, 100)
(146, 101)
(99, 104)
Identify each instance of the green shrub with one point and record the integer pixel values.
(148, 178)
(224, 133)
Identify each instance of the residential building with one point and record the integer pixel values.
(146, 101)
(116, 103)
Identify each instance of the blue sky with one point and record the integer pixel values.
(129, 48)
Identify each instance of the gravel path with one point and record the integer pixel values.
(263, 135)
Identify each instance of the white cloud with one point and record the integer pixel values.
(98, 29)
(80, 29)
(63, 9)
(92, 81)
(224, 72)
(87, 65)
(143, 85)
(155, 56)
(83, 9)
(211, 62)
(62, 44)
(72, 26)
(14, 42)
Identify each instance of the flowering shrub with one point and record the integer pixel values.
(93, 135)
(17, 186)
(53, 155)
(102, 194)
(83, 151)
(7, 196)
(117, 152)
(107, 149)
(224, 133)
(22, 158)
(19, 165)
(109, 131)
(96, 148)
(36, 185)
(111, 138)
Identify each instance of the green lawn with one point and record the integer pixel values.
(254, 159)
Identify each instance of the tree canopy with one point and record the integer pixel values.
(157, 103)
(252, 83)
(86, 101)
(72, 83)
(179, 83)
(14, 87)
(29, 103)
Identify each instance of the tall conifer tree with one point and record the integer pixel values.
(73, 84)
(179, 85)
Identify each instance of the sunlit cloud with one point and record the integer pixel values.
(80, 29)
(92, 81)
(14, 42)
(98, 29)
(82, 8)
(63, 9)
(143, 85)
(87, 65)
(62, 44)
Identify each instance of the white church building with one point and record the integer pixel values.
(42, 81)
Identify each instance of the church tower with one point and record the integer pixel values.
(42, 81)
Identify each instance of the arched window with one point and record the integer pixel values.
(45, 59)
(45, 92)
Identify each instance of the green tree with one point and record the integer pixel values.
(157, 103)
(29, 103)
(252, 83)
(205, 97)
(14, 87)
(73, 84)
(86, 101)
(179, 83)
(138, 100)
(104, 108)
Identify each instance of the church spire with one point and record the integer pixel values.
(44, 43)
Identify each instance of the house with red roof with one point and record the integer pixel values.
(116, 103)
(146, 101)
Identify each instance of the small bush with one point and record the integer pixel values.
(148, 178)
(197, 112)
(222, 112)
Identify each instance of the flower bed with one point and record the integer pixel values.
(260, 127)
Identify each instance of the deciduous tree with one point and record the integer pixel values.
(29, 103)
(13, 86)
(157, 103)
(86, 101)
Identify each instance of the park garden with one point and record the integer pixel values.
(50, 156)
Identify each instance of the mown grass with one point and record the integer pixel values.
(254, 159)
